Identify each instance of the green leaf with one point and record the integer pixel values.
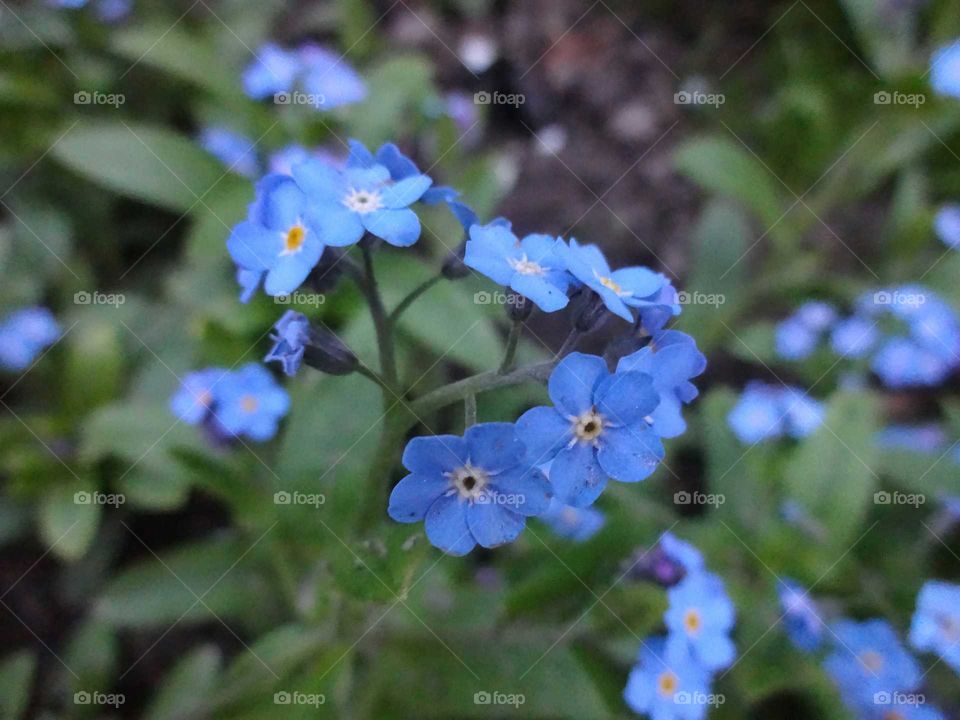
(146, 163)
(726, 167)
(187, 688)
(16, 679)
(93, 653)
(69, 520)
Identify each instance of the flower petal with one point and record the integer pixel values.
(630, 454)
(545, 432)
(446, 526)
(319, 180)
(544, 294)
(526, 490)
(335, 224)
(640, 282)
(412, 497)
(494, 446)
(253, 247)
(435, 454)
(406, 191)
(576, 476)
(492, 524)
(572, 383)
(288, 274)
(625, 398)
(400, 228)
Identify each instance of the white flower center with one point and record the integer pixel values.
(363, 201)
(469, 481)
(526, 267)
(588, 426)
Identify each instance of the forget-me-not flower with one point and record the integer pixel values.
(531, 267)
(477, 489)
(945, 70)
(274, 70)
(250, 402)
(667, 683)
(800, 617)
(758, 414)
(854, 336)
(329, 79)
(196, 397)
(598, 428)
(947, 225)
(573, 523)
(290, 341)
(701, 614)
(234, 150)
(926, 438)
(24, 334)
(936, 622)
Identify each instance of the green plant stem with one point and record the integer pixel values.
(396, 422)
(388, 364)
(513, 339)
(469, 411)
(412, 298)
(569, 344)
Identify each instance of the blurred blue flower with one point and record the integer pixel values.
(683, 553)
(869, 661)
(598, 428)
(234, 150)
(290, 341)
(947, 225)
(936, 622)
(24, 334)
(758, 414)
(195, 398)
(633, 286)
(477, 489)
(701, 615)
(329, 78)
(573, 523)
(803, 414)
(274, 70)
(854, 336)
(672, 359)
(900, 362)
(250, 402)
(532, 267)
(667, 684)
(945, 70)
(816, 315)
(801, 618)
(106, 10)
(795, 340)
(363, 198)
(926, 438)
(277, 238)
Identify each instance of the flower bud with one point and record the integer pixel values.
(328, 353)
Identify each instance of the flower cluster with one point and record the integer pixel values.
(326, 79)
(909, 335)
(229, 403)
(24, 334)
(764, 412)
(674, 674)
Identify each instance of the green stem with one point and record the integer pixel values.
(388, 365)
(396, 422)
(412, 298)
(511, 351)
(469, 411)
(569, 344)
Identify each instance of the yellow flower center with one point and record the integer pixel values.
(294, 239)
(667, 684)
(691, 621)
(249, 403)
(871, 660)
(588, 426)
(610, 284)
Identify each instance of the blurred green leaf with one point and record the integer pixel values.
(187, 688)
(16, 680)
(68, 520)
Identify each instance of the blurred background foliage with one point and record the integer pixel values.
(200, 597)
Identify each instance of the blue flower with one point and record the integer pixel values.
(290, 341)
(758, 414)
(477, 489)
(532, 266)
(947, 225)
(363, 198)
(869, 660)
(249, 402)
(853, 337)
(667, 563)
(801, 619)
(277, 238)
(667, 684)
(945, 70)
(249, 281)
(901, 362)
(24, 334)
(329, 78)
(795, 340)
(232, 149)
(927, 438)
(401, 167)
(274, 70)
(803, 414)
(672, 359)
(598, 428)
(573, 523)
(936, 622)
(702, 615)
(664, 306)
(197, 395)
(681, 552)
(816, 315)
(633, 286)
